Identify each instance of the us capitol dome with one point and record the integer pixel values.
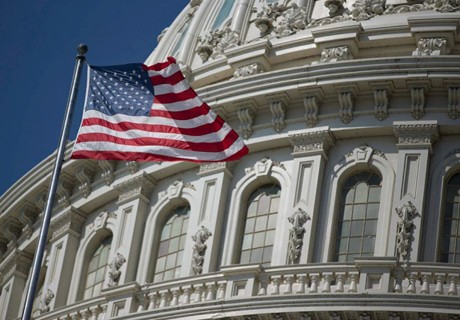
(346, 208)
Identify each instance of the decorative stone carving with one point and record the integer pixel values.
(422, 133)
(46, 300)
(248, 70)
(28, 215)
(139, 186)
(85, 176)
(267, 16)
(311, 106)
(366, 9)
(17, 263)
(292, 20)
(335, 54)
(114, 271)
(216, 42)
(443, 5)
(40, 201)
(64, 190)
(278, 111)
(431, 47)
(335, 7)
(162, 34)
(297, 219)
(3, 246)
(312, 141)
(381, 104)
(328, 20)
(199, 249)
(453, 103)
(108, 168)
(406, 212)
(12, 231)
(246, 117)
(133, 166)
(101, 220)
(418, 103)
(346, 102)
(69, 221)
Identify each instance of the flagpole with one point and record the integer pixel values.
(38, 258)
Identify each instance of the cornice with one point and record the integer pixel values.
(312, 141)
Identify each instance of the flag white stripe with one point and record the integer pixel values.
(134, 134)
(162, 150)
(159, 121)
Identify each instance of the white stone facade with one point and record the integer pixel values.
(321, 91)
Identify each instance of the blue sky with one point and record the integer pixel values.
(38, 41)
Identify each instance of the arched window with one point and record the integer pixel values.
(259, 229)
(224, 13)
(450, 243)
(97, 269)
(172, 242)
(358, 215)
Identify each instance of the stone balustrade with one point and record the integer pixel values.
(374, 279)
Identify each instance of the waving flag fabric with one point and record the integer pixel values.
(136, 112)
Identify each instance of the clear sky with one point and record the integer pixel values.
(38, 42)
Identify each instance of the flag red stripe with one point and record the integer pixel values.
(125, 126)
(143, 156)
(174, 97)
(146, 141)
(181, 115)
(172, 80)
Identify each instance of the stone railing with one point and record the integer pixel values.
(337, 284)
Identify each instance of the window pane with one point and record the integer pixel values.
(97, 269)
(358, 216)
(450, 243)
(361, 193)
(260, 225)
(170, 249)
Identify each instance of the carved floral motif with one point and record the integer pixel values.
(216, 42)
(292, 20)
(249, 70)
(199, 249)
(297, 219)
(431, 47)
(406, 212)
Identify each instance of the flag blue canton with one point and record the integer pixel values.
(124, 89)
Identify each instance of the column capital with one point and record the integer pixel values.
(416, 134)
(312, 141)
(134, 188)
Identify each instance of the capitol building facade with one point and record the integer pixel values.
(346, 208)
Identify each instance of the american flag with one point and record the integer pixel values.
(135, 112)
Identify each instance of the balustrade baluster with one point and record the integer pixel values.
(327, 277)
(354, 276)
(187, 293)
(175, 297)
(198, 292)
(412, 280)
(426, 278)
(276, 280)
(212, 288)
(340, 278)
(314, 282)
(301, 278)
(439, 284)
(222, 288)
(453, 279)
(288, 279)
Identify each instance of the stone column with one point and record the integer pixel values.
(310, 149)
(241, 12)
(415, 141)
(14, 271)
(132, 210)
(65, 239)
(213, 185)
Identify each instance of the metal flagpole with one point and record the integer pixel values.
(38, 258)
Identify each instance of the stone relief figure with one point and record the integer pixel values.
(366, 9)
(297, 219)
(199, 249)
(47, 298)
(335, 7)
(266, 18)
(114, 272)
